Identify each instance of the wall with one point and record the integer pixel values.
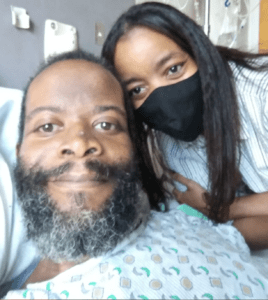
(230, 23)
(187, 7)
(21, 50)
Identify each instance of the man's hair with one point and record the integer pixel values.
(151, 184)
(221, 113)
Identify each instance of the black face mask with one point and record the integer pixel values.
(176, 109)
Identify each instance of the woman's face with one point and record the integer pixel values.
(146, 60)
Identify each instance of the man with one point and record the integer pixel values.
(85, 203)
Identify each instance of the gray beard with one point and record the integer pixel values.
(63, 236)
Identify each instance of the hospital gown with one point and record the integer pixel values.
(174, 256)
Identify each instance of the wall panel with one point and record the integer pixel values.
(21, 51)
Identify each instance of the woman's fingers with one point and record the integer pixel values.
(178, 177)
(177, 194)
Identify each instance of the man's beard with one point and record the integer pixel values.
(68, 236)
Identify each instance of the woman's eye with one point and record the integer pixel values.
(106, 126)
(136, 91)
(174, 69)
(49, 127)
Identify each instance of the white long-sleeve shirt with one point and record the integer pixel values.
(190, 159)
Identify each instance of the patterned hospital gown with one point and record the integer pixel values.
(176, 256)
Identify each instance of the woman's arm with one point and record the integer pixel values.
(250, 213)
(254, 230)
(249, 206)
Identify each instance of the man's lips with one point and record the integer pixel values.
(79, 177)
(83, 180)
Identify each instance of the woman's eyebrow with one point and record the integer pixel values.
(158, 65)
(165, 59)
(131, 80)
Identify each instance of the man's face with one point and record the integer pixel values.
(76, 176)
(75, 113)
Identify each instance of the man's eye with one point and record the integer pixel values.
(174, 69)
(106, 126)
(49, 127)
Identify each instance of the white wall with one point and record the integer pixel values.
(235, 26)
(232, 23)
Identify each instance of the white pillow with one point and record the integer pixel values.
(16, 253)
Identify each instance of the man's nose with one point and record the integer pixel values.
(80, 142)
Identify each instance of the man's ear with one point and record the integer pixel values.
(18, 149)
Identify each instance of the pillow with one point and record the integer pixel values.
(16, 253)
(10, 105)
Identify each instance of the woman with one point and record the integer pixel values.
(205, 105)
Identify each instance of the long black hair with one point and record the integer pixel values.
(221, 112)
(151, 184)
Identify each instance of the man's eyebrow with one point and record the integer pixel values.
(103, 108)
(42, 108)
(97, 109)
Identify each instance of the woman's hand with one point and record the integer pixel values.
(194, 196)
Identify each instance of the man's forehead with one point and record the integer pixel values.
(74, 70)
(74, 77)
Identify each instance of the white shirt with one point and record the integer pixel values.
(16, 253)
(190, 159)
(174, 257)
